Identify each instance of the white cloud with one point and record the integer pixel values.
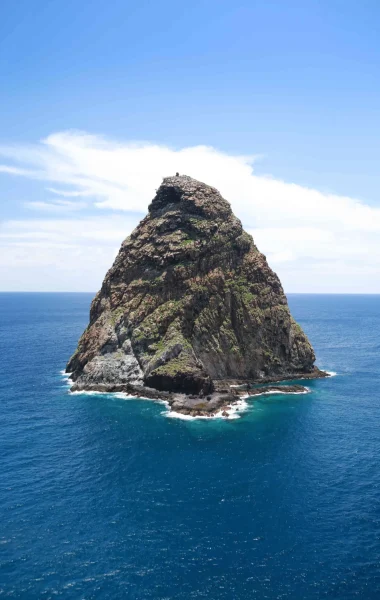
(60, 254)
(68, 194)
(56, 206)
(316, 241)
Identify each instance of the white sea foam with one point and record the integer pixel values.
(232, 413)
(264, 393)
(66, 377)
(86, 393)
(122, 395)
(331, 373)
(64, 374)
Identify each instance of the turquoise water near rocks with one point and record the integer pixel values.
(104, 498)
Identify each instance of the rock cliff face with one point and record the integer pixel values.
(188, 302)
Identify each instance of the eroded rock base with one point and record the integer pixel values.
(225, 396)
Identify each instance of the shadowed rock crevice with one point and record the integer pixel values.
(190, 301)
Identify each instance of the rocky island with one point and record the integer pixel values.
(190, 312)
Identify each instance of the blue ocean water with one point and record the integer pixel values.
(107, 498)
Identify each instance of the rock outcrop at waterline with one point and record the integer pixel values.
(189, 302)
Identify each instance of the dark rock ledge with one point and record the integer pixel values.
(227, 394)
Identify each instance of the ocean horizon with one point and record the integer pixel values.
(105, 497)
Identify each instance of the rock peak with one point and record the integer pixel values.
(185, 182)
(181, 180)
(185, 194)
(189, 302)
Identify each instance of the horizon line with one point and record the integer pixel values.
(286, 293)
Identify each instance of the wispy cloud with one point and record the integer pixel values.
(68, 194)
(315, 240)
(60, 254)
(56, 206)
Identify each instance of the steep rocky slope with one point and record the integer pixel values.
(189, 302)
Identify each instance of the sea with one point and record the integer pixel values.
(105, 497)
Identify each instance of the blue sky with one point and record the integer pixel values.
(294, 85)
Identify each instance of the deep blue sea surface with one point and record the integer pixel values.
(107, 498)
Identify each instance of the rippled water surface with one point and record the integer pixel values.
(107, 498)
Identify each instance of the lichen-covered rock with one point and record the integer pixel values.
(190, 300)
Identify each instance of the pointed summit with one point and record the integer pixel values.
(189, 302)
(183, 193)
